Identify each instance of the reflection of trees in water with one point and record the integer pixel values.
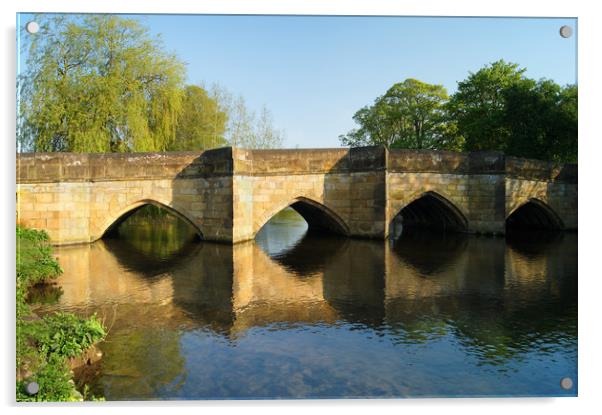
(494, 331)
(500, 332)
(140, 364)
(508, 310)
(44, 294)
(154, 233)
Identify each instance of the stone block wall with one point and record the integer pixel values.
(472, 182)
(229, 194)
(553, 184)
(77, 197)
(346, 186)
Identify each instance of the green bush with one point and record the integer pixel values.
(67, 335)
(43, 345)
(35, 264)
(55, 383)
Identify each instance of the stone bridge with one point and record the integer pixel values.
(228, 194)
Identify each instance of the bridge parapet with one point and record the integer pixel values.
(77, 167)
(541, 170)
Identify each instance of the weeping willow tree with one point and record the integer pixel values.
(97, 83)
(202, 123)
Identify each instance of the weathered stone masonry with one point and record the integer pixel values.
(228, 194)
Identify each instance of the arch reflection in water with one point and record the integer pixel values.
(316, 217)
(289, 241)
(429, 252)
(256, 321)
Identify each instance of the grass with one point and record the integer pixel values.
(44, 345)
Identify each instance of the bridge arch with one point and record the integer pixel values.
(428, 210)
(115, 220)
(534, 214)
(317, 215)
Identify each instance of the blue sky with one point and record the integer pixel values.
(314, 72)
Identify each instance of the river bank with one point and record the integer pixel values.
(54, 351)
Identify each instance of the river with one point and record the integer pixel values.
(297, 315)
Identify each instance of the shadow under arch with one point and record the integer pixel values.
(112, 225)
(136, 260)
(310, 254)
(429, 253)
(431, 211)
(534, 214)
(319, 218)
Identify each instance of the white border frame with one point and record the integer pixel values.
(590, 150)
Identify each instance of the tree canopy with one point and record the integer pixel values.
(408, 115)
(499, 108)
(496, 108)
(102, 83)
(541, 118)
(202, 123)
(98, 84)
(479, 105)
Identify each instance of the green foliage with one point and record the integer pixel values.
(102, 83)
(54, 380)
(43, 345)
(478, 106)
(97, 84)
(67, 335)
(155, 233)
(89, 396)
(496, 108)
(35, 263)
(202, 123)
(542, 120)
(409, 115)
(48, 343)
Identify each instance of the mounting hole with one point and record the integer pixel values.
(566, 31)
(566, 383)
(32, 27)
(32, 388)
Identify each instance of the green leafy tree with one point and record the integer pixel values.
(499, 108)
(97, 84)
(542, 120)
(409, 115)
(201, 124)
(479, 106)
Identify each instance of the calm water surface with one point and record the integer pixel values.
(294, 315)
